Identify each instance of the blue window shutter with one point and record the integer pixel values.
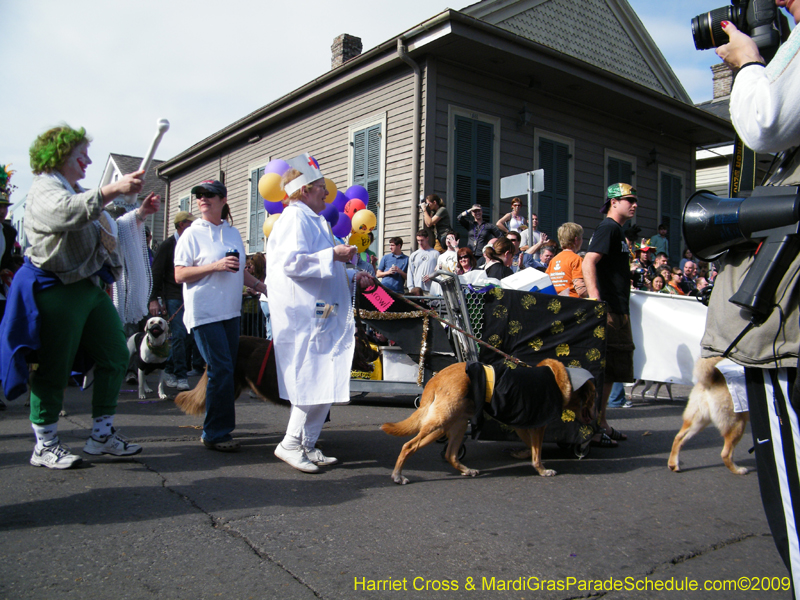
(671, 213)
(185, 204)
(619, 171)
(257, 214)
(474, 166)
(554, 200)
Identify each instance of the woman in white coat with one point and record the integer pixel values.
(312, 324)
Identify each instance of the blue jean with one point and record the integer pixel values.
(267, 322)
(617, 395)
(177, 352)
(218, 342)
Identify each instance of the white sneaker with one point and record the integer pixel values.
(170, 380)
(195, 373)
(296, 458)
(316, 456)
(115, 444)
(183, 385)
(55, 455)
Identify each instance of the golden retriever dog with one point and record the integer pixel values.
(711, 402)
(446, 408)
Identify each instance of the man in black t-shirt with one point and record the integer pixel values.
(606, 270)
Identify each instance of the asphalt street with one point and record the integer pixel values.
(181, 521)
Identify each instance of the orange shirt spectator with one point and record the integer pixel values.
(566, 268)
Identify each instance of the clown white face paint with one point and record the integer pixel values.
(74, 168)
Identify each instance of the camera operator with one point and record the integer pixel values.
(766, 115)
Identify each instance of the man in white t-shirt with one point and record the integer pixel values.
(421, 264)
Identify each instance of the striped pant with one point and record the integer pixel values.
(774, 399)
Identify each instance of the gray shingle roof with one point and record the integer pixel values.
(128, 164)
(625, 49)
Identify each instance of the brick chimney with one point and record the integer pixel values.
(722, 78)
(344, 48)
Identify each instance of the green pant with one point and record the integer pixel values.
(78, 315)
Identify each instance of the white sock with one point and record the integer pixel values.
(102, 427)
(45, 434)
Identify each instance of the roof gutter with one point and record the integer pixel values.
(402, 53)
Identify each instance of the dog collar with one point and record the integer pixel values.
(489, 370)
(161, 351)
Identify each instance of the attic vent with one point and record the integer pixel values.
(344, 48)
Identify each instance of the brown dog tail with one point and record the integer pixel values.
(410, 426)
(193, 402)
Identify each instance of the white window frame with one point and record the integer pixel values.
(454, 111)
(376, 119)
(634, 168)
(250, 168)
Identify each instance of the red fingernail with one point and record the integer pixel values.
(725, 24)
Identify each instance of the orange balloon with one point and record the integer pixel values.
(353, 206)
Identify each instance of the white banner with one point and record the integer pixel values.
(667, 331)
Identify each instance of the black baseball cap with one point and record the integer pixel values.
(213, 186)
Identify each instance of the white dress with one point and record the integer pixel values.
(313, 354)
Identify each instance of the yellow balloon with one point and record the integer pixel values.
(364, 221)
(331, 187)
(360, 241)
(269, 186)
(269, 223)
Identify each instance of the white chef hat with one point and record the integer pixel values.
(309, 169)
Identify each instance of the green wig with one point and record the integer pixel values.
(51, 149)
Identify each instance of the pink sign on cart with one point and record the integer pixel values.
(379, 298)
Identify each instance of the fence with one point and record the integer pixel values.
(253, 321)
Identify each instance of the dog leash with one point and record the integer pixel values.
(264, 364)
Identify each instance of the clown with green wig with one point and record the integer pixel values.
(58, 304)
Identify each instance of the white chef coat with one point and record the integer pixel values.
(302, 278)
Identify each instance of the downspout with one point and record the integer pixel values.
(402, 53)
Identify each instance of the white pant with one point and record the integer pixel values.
(305, 425)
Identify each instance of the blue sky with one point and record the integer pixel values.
(117, 66)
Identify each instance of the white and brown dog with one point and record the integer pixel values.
(151, 349)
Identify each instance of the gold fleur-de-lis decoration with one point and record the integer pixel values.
(593, 354)
(528, 300)
(599, 310)
(497, 292)
(574, 363)
(536, 344)
(600, 332)
(500, 312)
(514, 327)
(495, 340)
(557, 327)
(585, 431)
(554, 306)
(562, 350)
(567, 416)
(510, 364)
(581, 316)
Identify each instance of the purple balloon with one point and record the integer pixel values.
(343, 227)
(331, 214)
(277, 166)
(358, 192)
(273, 208)
(340, 201)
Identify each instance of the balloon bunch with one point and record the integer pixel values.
(346, 212)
